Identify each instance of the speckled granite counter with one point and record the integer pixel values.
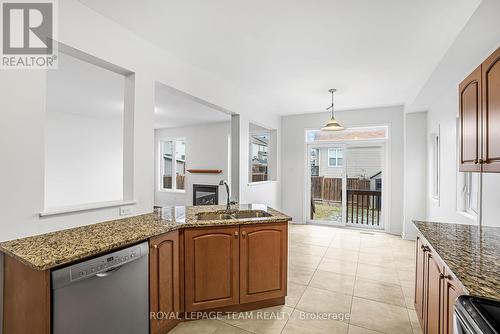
(471, 253)
(55, 249)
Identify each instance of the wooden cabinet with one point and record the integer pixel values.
(419, 282)
(479, 112)
(231, 266)
(491, 112)
(164, 282)
(211, 267)
(263, 262)
(433, 293)
(436, 291)
(452, 289)
(470, 122)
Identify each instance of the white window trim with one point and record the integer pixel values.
(337, 150)
(174, 170)
(250, 157)
(436, 166)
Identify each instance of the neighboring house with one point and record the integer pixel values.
(376, 181)
(362, 162)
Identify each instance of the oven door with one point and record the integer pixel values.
(459, 325)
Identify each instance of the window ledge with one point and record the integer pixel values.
(84, 207)
(261, 182)
(176, 191)
(468, 215)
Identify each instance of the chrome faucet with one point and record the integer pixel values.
(224, 183)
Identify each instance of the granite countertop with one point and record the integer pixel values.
(59, 248)
(471, 252)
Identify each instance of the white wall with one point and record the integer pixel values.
(293, 157)
(415, 172)
(439, 96)
(207, 147)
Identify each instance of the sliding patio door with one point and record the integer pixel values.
(327, 184)
(345, 183)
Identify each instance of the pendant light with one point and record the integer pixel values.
(332, 124)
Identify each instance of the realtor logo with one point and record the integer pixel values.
(28, 34)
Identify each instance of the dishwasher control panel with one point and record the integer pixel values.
(105, 263)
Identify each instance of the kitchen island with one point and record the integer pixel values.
(202, 258)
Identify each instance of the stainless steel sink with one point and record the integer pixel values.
(251, 214)
(213, 216)
(232, 215)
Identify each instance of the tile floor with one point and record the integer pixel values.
(334, 272)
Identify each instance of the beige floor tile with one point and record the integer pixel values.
(408, 264)
(407, 277)
(379, 291)
(324, 301)
(304, 260)
(299, 274)
(303, 322)
(341, 254)
(360, 330)
(264, 321)
(377, 273)
(204, 326)
(294, 293)
(228, 329)
(317, 240)
(381, 260)
(338, 266)
(374, 249)
(345, 243)
(307, 249)
(409, 293)
(380, 317)
(415, 324)
(332, 281)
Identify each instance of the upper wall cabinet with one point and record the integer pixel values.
(479, 105)
(491, 112)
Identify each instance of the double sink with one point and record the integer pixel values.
(232, 214)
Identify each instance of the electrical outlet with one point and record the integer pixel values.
(125, 210)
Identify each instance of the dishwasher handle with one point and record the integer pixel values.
(107, 272)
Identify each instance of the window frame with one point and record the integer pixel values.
(173, 165)
(436, 166)
(336, 157)
(268, 133)
(468, 208)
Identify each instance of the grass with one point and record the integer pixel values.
(328, 211)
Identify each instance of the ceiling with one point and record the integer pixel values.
(177, 109)
(288, 53)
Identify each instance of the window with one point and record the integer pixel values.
(435, 166)
(471, 190)
(173, 163)
(350, 134)
(259, 155)
(335, 157)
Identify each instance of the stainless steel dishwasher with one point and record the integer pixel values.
(106, 294)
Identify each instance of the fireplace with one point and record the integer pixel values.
(205, 194)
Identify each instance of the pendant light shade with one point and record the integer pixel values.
(332, 124)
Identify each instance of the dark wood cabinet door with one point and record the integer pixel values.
(433, 296)
(419, 281)
(491, 112)
(452, 290)
(211, 261)
(263, 262)
(164, 283)
(470, 122)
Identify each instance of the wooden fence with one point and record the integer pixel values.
(179, 179)
(330, 189)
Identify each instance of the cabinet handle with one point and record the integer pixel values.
(481, 161)
(441, 276)
(486, 161)
(155, 246)
(425, 248)
(476, 161)
(243, 233)
(236, 234)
